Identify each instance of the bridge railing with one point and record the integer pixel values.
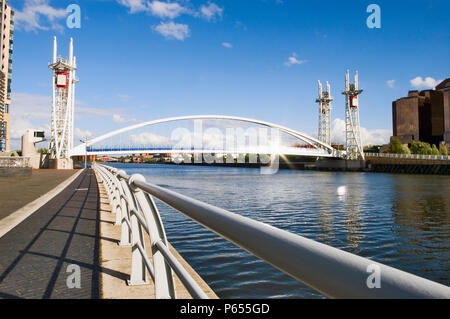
(330, 271)
(410, 156)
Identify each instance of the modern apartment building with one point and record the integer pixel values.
(6, 52)
(423, 116)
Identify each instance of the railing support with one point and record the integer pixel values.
(125, 215)
(164, 285)
(138, 270)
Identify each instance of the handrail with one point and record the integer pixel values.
(134, 211)
(332, 272)
(182, 273)
(410, 156)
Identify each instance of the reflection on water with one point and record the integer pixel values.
(399, 220)
(326, 218)
(352, 201)
(422, 212)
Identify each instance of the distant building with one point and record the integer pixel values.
(423, 116)
(6, 49)
(444, 87)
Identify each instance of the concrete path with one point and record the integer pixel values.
(40, 256)
(16, 192)
(68, 248)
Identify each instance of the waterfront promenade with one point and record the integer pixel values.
(36, 253)
(15, 192)
(75, 227)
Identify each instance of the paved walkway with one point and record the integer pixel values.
(35, 256)
(16, 192)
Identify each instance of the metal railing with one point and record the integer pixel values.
(330, 271)
(136, 212)
(14, 162)
(410, 156)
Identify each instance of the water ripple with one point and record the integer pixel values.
(400, 220)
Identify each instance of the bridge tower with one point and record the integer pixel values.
(63, 99)
(352, 127)
(324, 101)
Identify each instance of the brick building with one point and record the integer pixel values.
(444, 87)
(423, 116)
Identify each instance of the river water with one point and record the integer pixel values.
(399, 220)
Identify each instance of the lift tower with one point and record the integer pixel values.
(324, 101)
(63, 98)
(352, 127)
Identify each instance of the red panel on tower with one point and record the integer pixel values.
(354, 102)
(62, 80)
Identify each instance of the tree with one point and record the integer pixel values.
(444, 150)
(434, 150)
(43, 150)
(421, 148)
(405, 150)
(396, 147)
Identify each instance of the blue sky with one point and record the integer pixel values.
(142, 60)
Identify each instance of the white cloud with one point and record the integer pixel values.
(171, 30)
(368, 137)
(428, 82)
(390, 83)
(293, 60)
(149, 139)
(211, 11)
(34, 12)
(28, 112)
(169, 10)
(227, 45)
(80, 134)
(134, 5)
(121, 120)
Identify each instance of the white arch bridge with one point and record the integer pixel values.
(299, 144)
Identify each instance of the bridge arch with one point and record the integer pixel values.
(313, 142)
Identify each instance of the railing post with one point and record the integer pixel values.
(164, 284)
(138, 271)
(124, 213)
(116, 198)
(113, 193)
(109, 187)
